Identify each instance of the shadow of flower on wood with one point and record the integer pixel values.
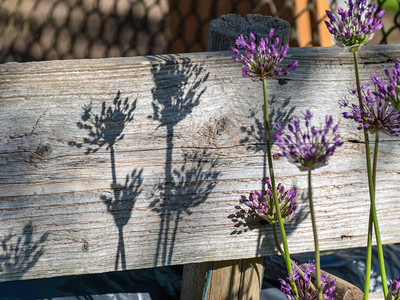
(256, 131)
(188, 187)
(179, 86)
(106, 129)
(120, 205)
(19, 253)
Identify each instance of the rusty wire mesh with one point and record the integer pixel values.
(61, 29)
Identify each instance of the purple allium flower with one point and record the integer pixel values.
(356, 25)
(389, 90)
(377, 114)
(302, 282)
(263, 203)
(261, 61)
(308, 147)
(394, 292)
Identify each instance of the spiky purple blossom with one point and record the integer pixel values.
(302, 282)
(263, 204)
(394, 292)
(356, 25)
(389, 90)
(308, 147)
(376, 114)
(261, 61)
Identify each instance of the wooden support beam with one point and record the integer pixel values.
(196, 280)
(231, 279)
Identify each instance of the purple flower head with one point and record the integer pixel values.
(389, 90)
(377, 114)
(261, 61)
(355, 26)
(263, 204)
(305, 145)
(304, 288)
(394, 292)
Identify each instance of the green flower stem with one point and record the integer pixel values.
(370, 222)
(368, 257)
(375, 161)
(274, 192)
(371, 191)
(316, 247)
(278, 246)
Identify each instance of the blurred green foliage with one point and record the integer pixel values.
(391, 5)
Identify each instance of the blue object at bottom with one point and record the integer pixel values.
(164, 283)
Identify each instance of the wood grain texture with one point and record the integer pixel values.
(252, 276)
(223, 31)
(138, 162)
(194, 280)
(223, 286)
(230, 279)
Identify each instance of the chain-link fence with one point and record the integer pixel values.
(62, 29)
(390, 33)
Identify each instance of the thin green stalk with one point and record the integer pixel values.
(274, 192)
(316, 247)
(368, 257)
(375, 161)
(371, 187)
(278, 246)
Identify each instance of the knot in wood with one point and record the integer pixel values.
(282, 81)
(44, 150)
(221, 125)
(85, 245)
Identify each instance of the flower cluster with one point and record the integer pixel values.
(356, 26)
(376, 114)
(389, 90)
(261, 61)
(263, 203)
(302, 278)
(308, 147)
(394, 293)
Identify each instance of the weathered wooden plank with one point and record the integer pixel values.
(138, 162)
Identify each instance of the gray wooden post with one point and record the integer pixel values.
(224, 30)
(234, 279)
